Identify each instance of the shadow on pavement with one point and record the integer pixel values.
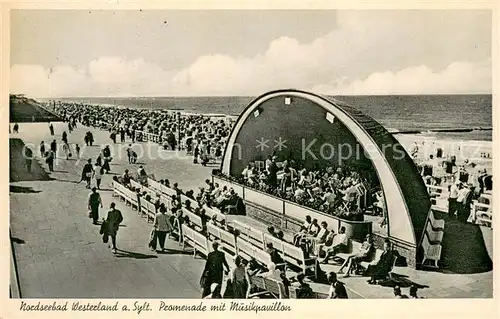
(401, 281)
(464, 250)
(16, 240)
(22, 189)
(169, 251)
(18, 170)
(129, 254)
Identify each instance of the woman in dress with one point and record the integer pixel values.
(354, 258)
(239, 279)
(66, 150)
(98, 171)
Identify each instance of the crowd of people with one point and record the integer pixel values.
(201, 136)
(343, 191)
(463, 183)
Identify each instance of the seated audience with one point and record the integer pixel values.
(271, 231)
(275, 255)
(355, 257)
(339, 242)
(379, 269)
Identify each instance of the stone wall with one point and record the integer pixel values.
(272, 218)
(408, 252)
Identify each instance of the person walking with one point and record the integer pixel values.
(50, 160)
(66, 150)
(129, 153)
(113, 220)
(98, 172)
(122, 135)
(51, 129)
(77, 150)
(162, 227)
(16, 128)
(239, 279)
(42, 149)
(113, 136)
(87, 172)
(214, 269)
(28, 158)
(65, 137)
(94, 201)
(53, 147)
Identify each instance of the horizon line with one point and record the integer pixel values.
(237, 95)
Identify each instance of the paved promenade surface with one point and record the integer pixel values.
(63, 255)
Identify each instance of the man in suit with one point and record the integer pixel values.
(113, 220)
(379, 269)
(214, 268)
(337, 289)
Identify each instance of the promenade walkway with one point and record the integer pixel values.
(63, 256)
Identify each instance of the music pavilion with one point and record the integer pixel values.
(318, 132)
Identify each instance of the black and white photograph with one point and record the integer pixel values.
(249, 154)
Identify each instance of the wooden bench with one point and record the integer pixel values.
(154, 185)
(295, 256)
(226, 239)
(194, 239)
(431, 251)
(211, 211)
(167, 191)
(193, 218)
(250, 234)
(482, 213)
(248, 251)
(268, 286)
(435, 223)
(148, 209)
(131, 197)
(194, 204)
(435, 236)
(136, 185)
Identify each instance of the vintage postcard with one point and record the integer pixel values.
(164, 156)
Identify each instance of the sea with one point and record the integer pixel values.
(422, 113)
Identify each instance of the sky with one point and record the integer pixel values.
(62, 53)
